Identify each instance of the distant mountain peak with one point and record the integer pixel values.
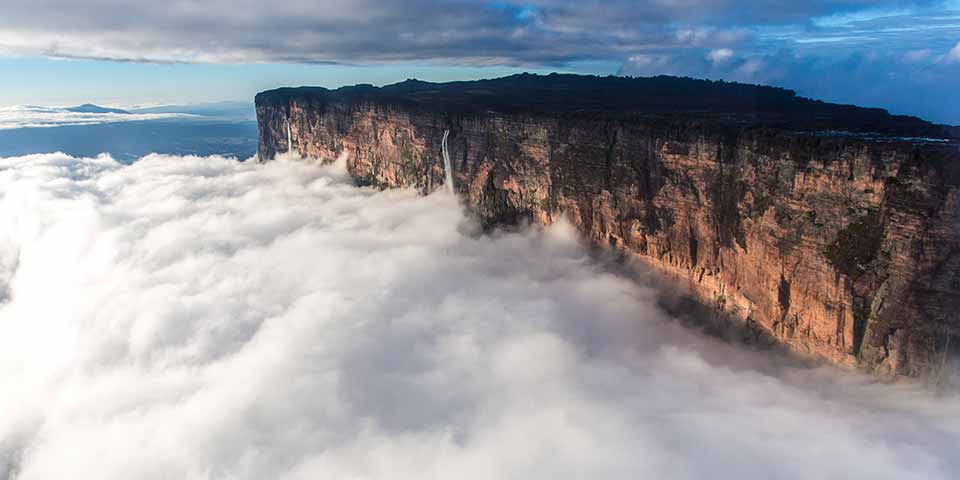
(91, 108)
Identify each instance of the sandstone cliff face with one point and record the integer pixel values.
(845, 247)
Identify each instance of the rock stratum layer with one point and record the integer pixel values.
(833, 229)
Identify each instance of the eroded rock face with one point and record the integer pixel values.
(844, 246)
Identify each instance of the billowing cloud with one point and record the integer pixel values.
(30, 116)
(204, 318)
(363, 31)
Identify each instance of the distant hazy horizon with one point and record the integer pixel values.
(223, 128)
(948, 117)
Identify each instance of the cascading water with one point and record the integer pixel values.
(289, 136)
(447, 170)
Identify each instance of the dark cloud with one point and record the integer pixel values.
(466, 31)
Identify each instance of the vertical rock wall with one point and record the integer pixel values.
(843, 248)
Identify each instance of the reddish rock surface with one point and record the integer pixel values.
(832, 229)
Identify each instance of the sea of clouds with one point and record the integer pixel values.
(190, 318)
(32, 116)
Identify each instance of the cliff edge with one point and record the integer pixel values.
(833, 229)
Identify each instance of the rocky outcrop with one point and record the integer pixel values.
(833, 229)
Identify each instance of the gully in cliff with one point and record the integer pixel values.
(829, 228)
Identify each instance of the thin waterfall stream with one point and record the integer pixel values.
(289, 136)
(447, 170)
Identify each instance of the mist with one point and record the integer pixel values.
(188, 317)
(31, 116)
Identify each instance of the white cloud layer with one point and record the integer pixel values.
(31, 116)
(203, 318)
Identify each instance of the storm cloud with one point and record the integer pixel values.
(188, 317)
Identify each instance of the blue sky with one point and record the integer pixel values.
(46, 81)
(897, 54)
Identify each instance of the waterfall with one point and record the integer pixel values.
(447, 170)
(289, 135)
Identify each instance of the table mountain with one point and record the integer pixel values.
(833, 229)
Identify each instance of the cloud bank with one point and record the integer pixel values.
(29, 116)
(463, 31)
(188, 317)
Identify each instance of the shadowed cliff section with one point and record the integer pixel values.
(832, 228)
